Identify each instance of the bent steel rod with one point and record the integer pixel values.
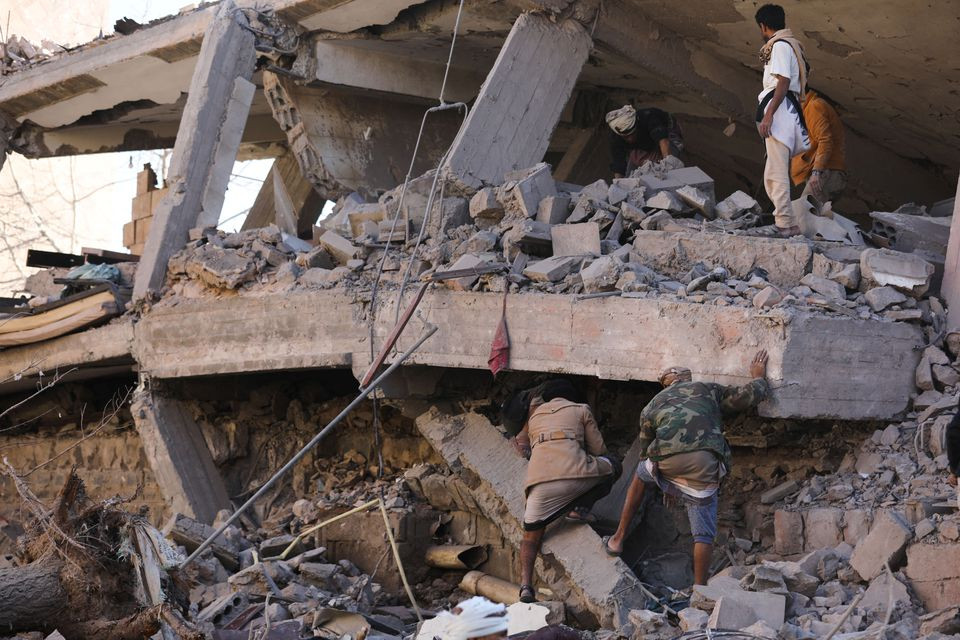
(310, 445)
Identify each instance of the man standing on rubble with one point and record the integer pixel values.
(780, 115)
(823, 167)
(647, 135)
(681, 437)
(953, 452)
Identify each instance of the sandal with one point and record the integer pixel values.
(527, 594)
(606, 547)
(773, 231)
(581, 514)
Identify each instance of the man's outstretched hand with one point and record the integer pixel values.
(758, 366)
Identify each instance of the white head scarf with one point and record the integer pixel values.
(623, 120)
(478, 617)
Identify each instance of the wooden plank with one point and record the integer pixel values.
(47, 259)
(105, 256)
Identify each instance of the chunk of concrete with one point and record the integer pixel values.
(341, 249)
(934, 573)
(484, 204)
(468, 261)
(602, 274)
(632, 213)
(884, 544)
(669, 252)
(945, 621)
(692, 619)
(698, 200)
(656, 220)
(879, 298)
(730, 613)
(551, 269)
(768, 297)
(576, 239)
(825, 287)
(884, 591)
(780, 491)
(906, 271)
(735, 205)
(553, 209)
(769, 607)
(822, 528)
(533, 188)
(665, 200)
(592, 193)
(693, 177)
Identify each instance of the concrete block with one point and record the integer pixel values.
(730, 613)
(769, 607)
(766, 298)
(735, 205)
(693, 177)
(884, 591)
(856, 525)
(934, 573)
(692, 619)
(631, 213)
(822, 528)
(674, 253)
(468, 261)
(553, 209)
(339, 248)
(586, 199)
(533, 188)
(906, 271)
(484, 204)
(576, 239)
(825, 287)
(879, 298)
(665, 200)
(551, 269)
(520, 114)
(698, 200)
(602, 274)
(129, 235)
(885, 543)
(656, 221)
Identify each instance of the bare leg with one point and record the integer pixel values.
(630, 505)
(529, 548)
(702, 555)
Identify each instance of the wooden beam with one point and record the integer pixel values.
(207, 142)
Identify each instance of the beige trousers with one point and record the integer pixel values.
(776, 180)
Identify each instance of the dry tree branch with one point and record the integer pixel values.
(41, 387)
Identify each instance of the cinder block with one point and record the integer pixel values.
(576, 239)
(886, 542)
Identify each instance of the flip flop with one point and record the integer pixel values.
(527, 594)
(607, 549)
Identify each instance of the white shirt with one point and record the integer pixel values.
(783, 62)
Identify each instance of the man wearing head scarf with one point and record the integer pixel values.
(681, 437)
(638, 136)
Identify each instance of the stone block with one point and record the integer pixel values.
(779, 492)
(468, 261)
(553, 209)
(856, 525)
(885, 543)
(768, 297)
(692, 619)
(533, 188)
(822, 528)
(576, 239)
(735, 205)
(551, 269)
(879, 298)
(934, 573)
(906, 271)
(825, 287)
(341, 249)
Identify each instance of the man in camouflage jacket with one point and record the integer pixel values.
(686, 455)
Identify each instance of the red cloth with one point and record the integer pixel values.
(500, 348)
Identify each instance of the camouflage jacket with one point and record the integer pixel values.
(687, 416)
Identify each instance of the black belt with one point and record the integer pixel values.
(791, 98)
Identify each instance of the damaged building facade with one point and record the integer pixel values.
(465, 149)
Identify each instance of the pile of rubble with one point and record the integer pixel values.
(18, 52)
(534, 234)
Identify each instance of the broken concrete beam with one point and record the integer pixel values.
(934, 573)
(816, 361)
(553, 209)
(572, 561)
(175, 448)
(206, 144)
(551, 269)
(339, 248)
(905, 271)
(884, 544)
(533, 188)
(785, 261)
(510, 124)
(576, 239)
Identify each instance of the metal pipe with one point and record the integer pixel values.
(310, 445)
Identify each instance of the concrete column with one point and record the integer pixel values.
(286, 198)
(179, 457)
(950, 290)
(207, 142)
(521, 100)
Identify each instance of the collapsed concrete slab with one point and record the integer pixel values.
(521, 100)
(572, 561)
(820, 366)
(786, 261)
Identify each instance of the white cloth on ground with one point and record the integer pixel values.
(478, 617)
